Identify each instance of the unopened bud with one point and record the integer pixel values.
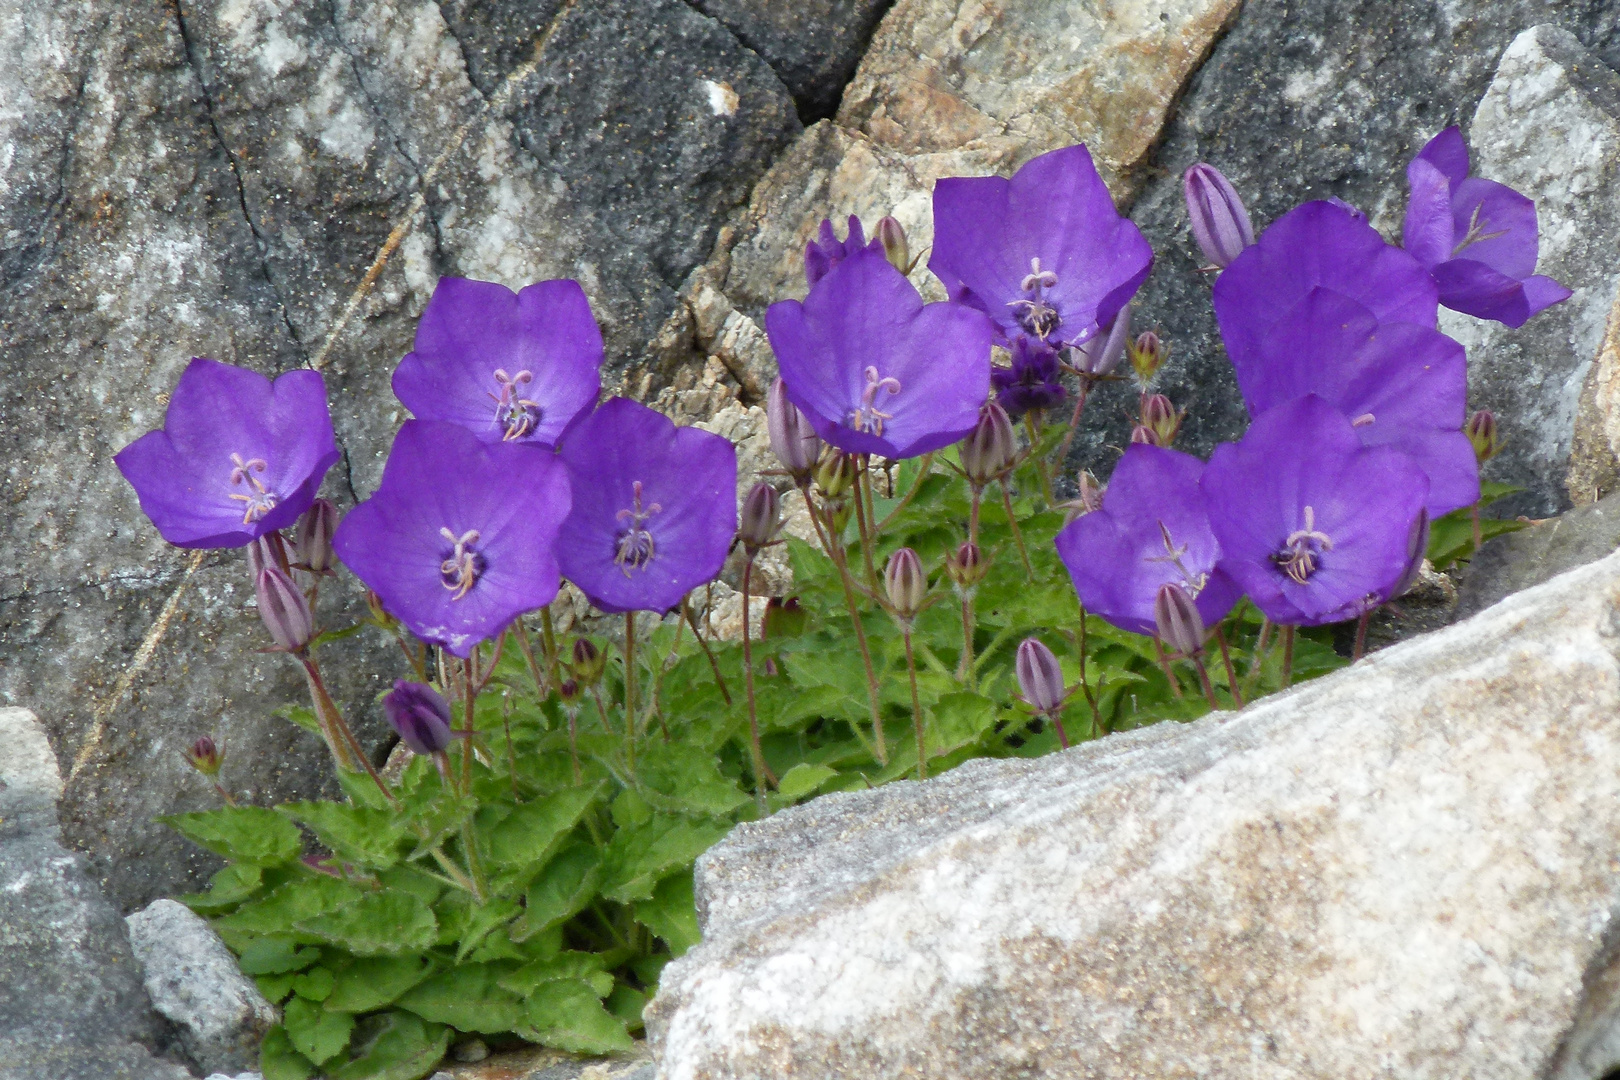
(313, 538)
(838, 515)
(988, 451)
(792, 436)
(906, 583)
(1148, 354)
(1175, 614)
(419, 715)
(760, 519)
(379, 614)
(1040, 679)
(205, 756)
(1482, 433)
(1102, 353)
(571, 692)
(267, 550)
(893, 239)
(1220, 224)
(284, 610)
(783, 618)
(1140, 434)
(1160, 419)
(589, 662)
(966, 567)
(1091, 493)
(836, 474)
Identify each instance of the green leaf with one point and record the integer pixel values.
(354, 833)
(405, 1048)
(278, 1060)
(560, 891)
(362, 789)
(413, 881)
(246, 834)
(672, 913)
(302, 715)
(272, 956)
(468, 998)
(372, 982)
(684, 779)
(481, 920)
(532, 832)
(568, 1015)
(960, 719)
(275, 988)
(232, 885)
(317, 1034)
(315, 984)
(280, 911)
(627, 1004)
(636, 860)
(568, 965)
(803, 779)
(377, 923)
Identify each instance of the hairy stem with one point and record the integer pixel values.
(911, 493)
(630, 693)
(703, 643)
(1164, 666)
(973, 514)
(841, 561)
(1288, 656)
(1042, 469)
(1361, 637)
(862, 482)
(469, 692)
(1074, 421)
(1203, 679)
(542, 684)
(757, 754)
(342, 735)
(1012, 523)
(1231, 674)
(964, 667)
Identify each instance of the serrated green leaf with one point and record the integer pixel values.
(684, 779)
(671, 913)
(803, 779)
(411, 880)
(637, 859)
(532, 832)
(627, 1003)
(273, 956)
(362, 789)
(302, 715)
(435, 818)
(280, 911)
(372, 982)
(275, 988)
(315, 1033)
(568, 965)
(279, 1060)
(232, 885)
(315, 984)
(481, 920)
(246, 834)
(468, 997)
(376, 924)
(568, 1015)
(354, 834)
(960, 719)
(406, 1048)
(560, 891)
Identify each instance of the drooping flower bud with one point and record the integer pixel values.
(1102, 353)
(1175, 614)
(1160, 419)
(419, 715)
(906, 583)
(792, 436)
(1220, 224)
(988, 451)
(783, 618)
(835, 474)
(893, 238)
(1040, 678)
(313, 540)
(267, 550)
(205, 756)
(761, 518)
(1148, 354)
(1482, 433)
(966, 567)
(284, 610)
(589, 662)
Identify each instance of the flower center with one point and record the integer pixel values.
(1033, 313)
(634, 548)
(1303, 548)
(259, 499)
(1193, 583)
(462, 565)
(515, 414)
(1476, 231)
(866, 416)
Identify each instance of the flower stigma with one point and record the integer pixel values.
(635, 546)
(517, 415)
(1476, 231)
(1301, 550)
(1193, 583)
(259, 499)
(460, 570)
(867, 416)
(1035, 315)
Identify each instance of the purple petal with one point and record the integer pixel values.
(1495, 225)
(1448, 153)
(1428, 233)
(1476, 289)
(1542, 292)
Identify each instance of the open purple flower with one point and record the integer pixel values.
(1401, 385)
(510, 367)
(655, 507)
(875, 369)
(1034, 381)
(1317, 245)
(1152, 530)
(1315, 526)
(458, 539)
(1044, 254)
(826, 252)
(238, 456)
(1478, 238)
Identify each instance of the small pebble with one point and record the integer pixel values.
(470, 1050)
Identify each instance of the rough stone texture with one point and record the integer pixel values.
(193, 979)
(71, 1003)
(1594, 456)
(1403, 869)
(1519, 560)
(536, 1063)
(215, 178)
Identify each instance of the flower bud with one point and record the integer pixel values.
(1220, 224)
(1160, 419)
(783, 618)
(1040, 679)
(839, 513)
(1176, 616)
(205, 756)
(792, 436)
(1148, 354)
(589, 662)
(893, 238)
(313, 539)
(906, 583)
(836, 474)
(571, 693)
(1482, 433)
(1091, 493)
(1102, 353)
(989, 449)
(966, 567)
(419, 715)
(267, 550)
(379, 614)
(760, 519)
(284, 610)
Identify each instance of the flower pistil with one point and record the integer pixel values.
(259, 499)
(867, 416)
(1034, 314)
(516, 414)
(1302, 549)
(460, 570)
(636, 546)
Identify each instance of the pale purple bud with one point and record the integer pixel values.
(313, 539)
(419, 715)
(267, 550)
(1039, 676)
(989, 448)
(761, 517)
(1220, 224)
(966, 566)
(1160, 419)
(1102, 353)
(1176, 616)
(893, 238)
(205, 756)
(906, 583)
(284, 610)
(792, 436)
(589, 661)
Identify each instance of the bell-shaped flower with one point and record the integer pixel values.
(1317, 245)
(1044, 254)
(1478, 238)
(419, 716)
(1401, 385)
(458, 539)
(1034, 381)
(827, 251)
(509, 367)
(1313, 524)
(237, 457)
(1151, 530)
(655, 507)
(875, 369)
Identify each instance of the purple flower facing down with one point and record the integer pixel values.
(826, 252)
(1401, 385)
(655, 507)
(1151, 530)
(509, 367)
(875, 369)
(1317, 245)
(1478, 238)
(238, 456)
(458, 540)
(1315, 526)
(419, 716)
(1044, 254)
(1033, 382)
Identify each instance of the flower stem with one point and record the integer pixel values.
(1361, 636)
(862, 481)
(573, 743)
(1097, 729)
(341, 735)
(923, 467)
(548, 642)
(836, 552)
(1203, 679)
(469, 697)
(703, 643)
(1475, 517)
(755, 752)
(964, 667)
(542, 684)
(1164, 666)
(630, 693)
(1012, 523)
(1231, 675)
(1288, 656)
(230, 800)
(1074, 421)
(1033, 427)
(916, 707)
(1056, 716)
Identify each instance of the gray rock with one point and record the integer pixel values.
(1402, 869)
(1542, 551)
(71, 1002)
(193, 979)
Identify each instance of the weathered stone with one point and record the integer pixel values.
(193, 979)
(535, 1063)
(1519, 560)
(1402, 869)
(71, 1003)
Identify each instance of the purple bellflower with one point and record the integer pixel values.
(238, 456)
(457, 540)
(1314, 525)
(655, 507)
(1478, 238)
(419, 716)
(1044, 254)
(509, 367)
(1151, 530)
(822, 254)
(875, 369)
(1317, 245)
(1401, 385)
(1034, 381)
